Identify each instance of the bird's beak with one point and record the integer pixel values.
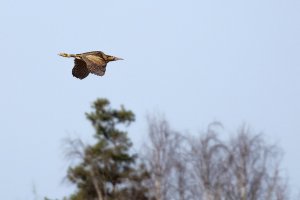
(116, 58)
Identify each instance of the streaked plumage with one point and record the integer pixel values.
(90, 62)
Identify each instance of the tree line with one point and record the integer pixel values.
(172, 166)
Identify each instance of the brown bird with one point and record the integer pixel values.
(90, 62)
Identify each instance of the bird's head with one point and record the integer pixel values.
(113, 58)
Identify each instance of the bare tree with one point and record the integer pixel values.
(203, 167)
(254, 169)
(207, 167)
(245, 168)
(163, 158)
(208, 157)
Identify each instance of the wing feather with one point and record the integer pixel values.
(80, 69)
(95, 64)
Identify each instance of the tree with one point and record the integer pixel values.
(245, 168)
(254, 169)
(206, 167)
(207, 156)
(106, 170)
(165, 161)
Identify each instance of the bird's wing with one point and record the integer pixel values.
(95, 64)
(80, 70)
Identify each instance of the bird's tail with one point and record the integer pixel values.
(67, 55)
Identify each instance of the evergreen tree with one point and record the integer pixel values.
(107, 171)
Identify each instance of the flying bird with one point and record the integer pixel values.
(90, 62)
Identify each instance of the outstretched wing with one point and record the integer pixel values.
(95, 64)
(80, 70)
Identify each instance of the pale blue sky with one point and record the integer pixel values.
(197, 61)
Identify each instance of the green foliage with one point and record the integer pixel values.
(104, 119)
(107, 170)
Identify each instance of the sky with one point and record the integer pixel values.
(196, 61)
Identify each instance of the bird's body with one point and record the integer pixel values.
(90, 62)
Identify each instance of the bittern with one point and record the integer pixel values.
(90, 62)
